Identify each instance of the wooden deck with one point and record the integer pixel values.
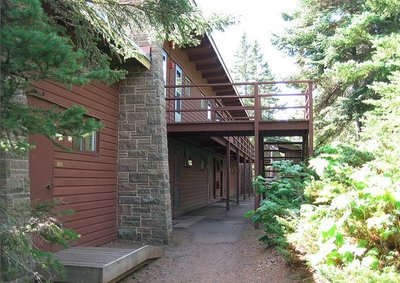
(99, 264)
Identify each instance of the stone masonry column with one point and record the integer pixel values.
(14, 180)
(144, 202)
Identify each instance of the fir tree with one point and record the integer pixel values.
(340, 47)
(36, 45)
(242, 66)
(250, 66)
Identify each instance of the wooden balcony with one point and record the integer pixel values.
(252, 112)
(237, 111)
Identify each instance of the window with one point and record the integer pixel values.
(187, 89)
(86, 143)
(209, 112)
(178, 94)
(164, 69)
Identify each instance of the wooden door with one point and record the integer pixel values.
(41, 175)
(41, 169)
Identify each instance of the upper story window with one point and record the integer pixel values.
(209, 112)
(164, 69)
(178, 80)
(86, 143)
(187, 89)
(178, 94)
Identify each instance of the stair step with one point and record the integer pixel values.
(102, 265)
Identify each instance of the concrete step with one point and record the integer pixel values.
(103, 265)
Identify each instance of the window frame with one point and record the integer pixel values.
(178, 93)
(187, 90)
(209, 112)
(164, 69)
(95, 135)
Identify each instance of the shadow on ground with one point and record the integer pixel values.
(213, 245)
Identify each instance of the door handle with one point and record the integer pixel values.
(50, 186)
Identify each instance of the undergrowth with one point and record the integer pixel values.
(341, 213)
(23, 233)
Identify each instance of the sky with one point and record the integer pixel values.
(259, 19)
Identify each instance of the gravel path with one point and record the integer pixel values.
(213, 245)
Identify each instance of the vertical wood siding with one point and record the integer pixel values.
(87, 182)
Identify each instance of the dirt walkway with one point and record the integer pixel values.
(212, 245)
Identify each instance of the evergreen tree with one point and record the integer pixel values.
(338, 46)
(36, 44)
(250, 66)
(241, 68)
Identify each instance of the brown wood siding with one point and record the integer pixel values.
(232, 179)
(87, 182)
(177, 56)
(193, 184)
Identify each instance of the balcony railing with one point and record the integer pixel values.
(264, 101)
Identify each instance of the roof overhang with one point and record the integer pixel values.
(210, 64)
(143, 56)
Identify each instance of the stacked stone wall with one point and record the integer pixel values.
(14, 180)
(144, 205)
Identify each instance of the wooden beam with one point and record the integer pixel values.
(213, 74)
(199, 48)
(202, 56)
(237, 175)
(218, 80)
(226, 92)
(227, 170)
(219, 88)
(214, 66)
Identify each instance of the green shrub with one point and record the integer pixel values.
(280, 207)
(20, 230)
(345, 220)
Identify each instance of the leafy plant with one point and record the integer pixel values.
(283, 197)
(354, 216)
(21, 257)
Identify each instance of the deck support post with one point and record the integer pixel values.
(237, 175)
(257, 165)
(310, 120)
(249, 180)
(244, 176)
(227, 170)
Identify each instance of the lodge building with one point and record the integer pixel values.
(164, 150)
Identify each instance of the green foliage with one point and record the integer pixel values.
(250, 66)
(283, 197)
(20, 257)
(355, 215)
(349, 229)
(73, 42)
(347, 47)
(344, 218)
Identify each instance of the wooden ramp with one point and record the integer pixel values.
(99, 264)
